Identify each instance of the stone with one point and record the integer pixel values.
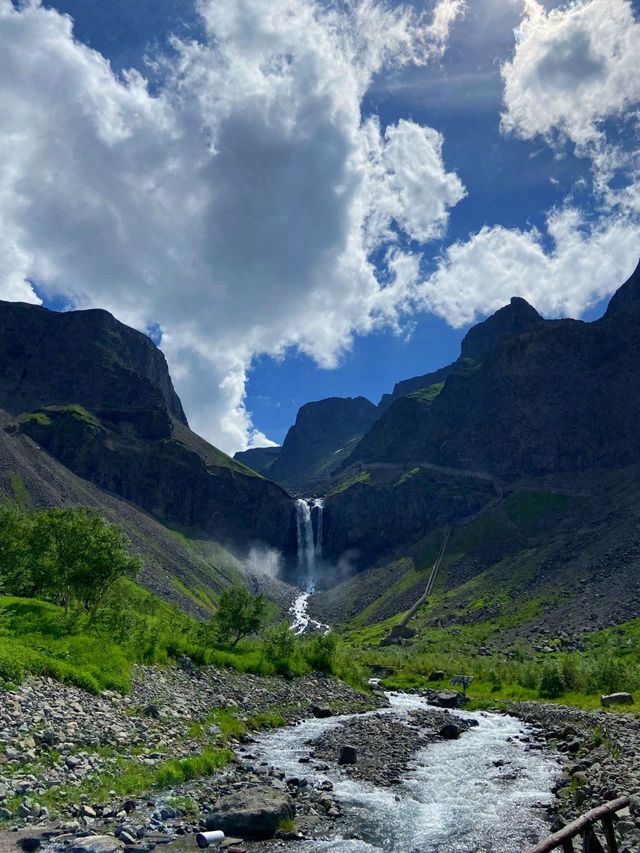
(450, 731)
(30, 843)
(254, 813)
(436, 675)
(447, 699)
(96, 844)
(348, 755)
(152, 711)
(321, 711)
(616, 699)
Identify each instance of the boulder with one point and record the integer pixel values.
(96, 844)
(255, 813)
(450, 731)
(436, 675)
(348, 755)
(616, 699)
(446, 699)
(321, 712)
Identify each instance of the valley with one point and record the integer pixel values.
(516, 470)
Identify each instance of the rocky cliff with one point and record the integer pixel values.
(527, 396)
(324, 434)
(97, 395)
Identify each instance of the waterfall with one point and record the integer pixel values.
(318, 505)
(306, 544)
(309, 539)
(309, 555)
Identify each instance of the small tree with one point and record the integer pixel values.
(15, 532)
(78, 557)
(280, 646)
(551, 681)
(239, 614)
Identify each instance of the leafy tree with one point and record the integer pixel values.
(77, 556)
(551, 682)
(15, 533)
(239, 614)
(280, 646)
(320, 651)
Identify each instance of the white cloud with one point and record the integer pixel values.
(585, 264)
(574, 70)
(573, 67)
(236, 207)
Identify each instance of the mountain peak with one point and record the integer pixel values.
(508, 322)
(626, 295)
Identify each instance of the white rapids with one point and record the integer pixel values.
(300, 619)
(455, 800)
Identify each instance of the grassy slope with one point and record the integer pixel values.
(183, 571)
(493, 622)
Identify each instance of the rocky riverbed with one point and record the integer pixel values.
(600, 761)
(57, 743)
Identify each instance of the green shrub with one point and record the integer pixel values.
(551, 682)
(320, 650)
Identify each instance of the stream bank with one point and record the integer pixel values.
(410, 789)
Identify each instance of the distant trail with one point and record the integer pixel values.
(432, 579)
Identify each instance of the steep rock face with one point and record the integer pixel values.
(86, 357)
(98, 397)
(528, 396)
(324, 433)
(508, 322)
(378, 509)
(409, 386)
(259, 459)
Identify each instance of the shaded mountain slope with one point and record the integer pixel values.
(527, 396)
(556, 558)
(259, 459)
(324, 434)
(98, 396)
(186, 573)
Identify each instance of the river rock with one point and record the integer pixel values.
(450, 731)
(446, 699)
(616, 699)
(321, 711)
(255, 813)
(348, 755)
(97, 844)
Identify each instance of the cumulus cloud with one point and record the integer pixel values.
(237, 206)
(585, 264)
(572, 80)
(573, 67)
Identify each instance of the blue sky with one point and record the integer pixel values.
(527, 206)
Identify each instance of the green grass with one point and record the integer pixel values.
(428, 395)
(362, 477)
(524, 508)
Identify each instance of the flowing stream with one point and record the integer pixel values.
(309, 556)
(456, 800)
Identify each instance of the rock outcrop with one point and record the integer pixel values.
(527, 396)
(324, 434)
(259, 459)
(98, 397)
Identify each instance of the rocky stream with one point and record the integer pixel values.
(350, 772)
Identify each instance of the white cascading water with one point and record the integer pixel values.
(309, 555)
(483, 793)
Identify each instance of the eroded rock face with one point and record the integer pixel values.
(527, 396)
(324, 433)
(98, 397)
(255, 813)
